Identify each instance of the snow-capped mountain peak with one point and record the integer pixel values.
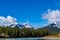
(27, 25)
(54, 25)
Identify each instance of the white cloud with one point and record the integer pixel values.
(6, 21)
(53, 16)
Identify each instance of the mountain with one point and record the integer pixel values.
(24, 25)
(17, 25)
(27, 25)
(52, 28)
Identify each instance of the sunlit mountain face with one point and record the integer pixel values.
(27, 25)
(24, 25)
(17, 25)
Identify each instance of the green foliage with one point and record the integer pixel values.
(24, 32)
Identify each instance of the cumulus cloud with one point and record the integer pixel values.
(53, 16)
(6, 21)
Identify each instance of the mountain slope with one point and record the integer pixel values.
(52, 28)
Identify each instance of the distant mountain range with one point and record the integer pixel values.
(53, 28)
(28, 31)
(24, 25)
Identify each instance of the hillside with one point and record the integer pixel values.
(22, 31)
(52, 28)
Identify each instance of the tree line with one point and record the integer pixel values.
(23, 32)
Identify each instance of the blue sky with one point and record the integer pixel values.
(28, 10)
